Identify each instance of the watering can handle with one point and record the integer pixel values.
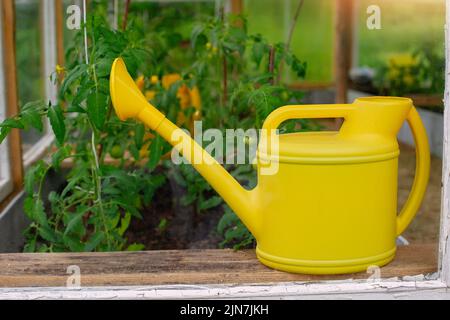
(307, 112)
(422, 172)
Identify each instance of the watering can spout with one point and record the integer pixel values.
(130, 103)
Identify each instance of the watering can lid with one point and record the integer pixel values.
(330, 147)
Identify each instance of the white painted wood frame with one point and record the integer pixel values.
(6, 183)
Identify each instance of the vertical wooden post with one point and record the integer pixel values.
(12, 108)
(237, 6)
(444, 243)
(59, 13)
(343, 47)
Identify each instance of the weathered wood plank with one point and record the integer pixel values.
(180, 267)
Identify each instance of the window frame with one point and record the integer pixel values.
(49, 51)
(51, 42)
(13, 143)
(6, 183)
(429, 286)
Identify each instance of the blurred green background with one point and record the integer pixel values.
(407, 25)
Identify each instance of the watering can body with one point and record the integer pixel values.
(330, 207)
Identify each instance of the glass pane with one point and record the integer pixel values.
(406, 26)
(69, 35)
(29, 60)
(5, 174)
(312, 39)
(406, 55)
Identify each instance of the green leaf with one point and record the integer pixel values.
(15, 123)
(196, 32)
(33, 175)
(39, 213)
(4, 131)
(73, 242)
(28, 207)
(74, 221)
(94, 241)
(103, 67)
(155, 152)
(56, 116)
(79, 97)
(72, 76)
(124, 224)
(210, 203)
(258, 51)
(228, 219)
(47, 234)
(30, 114)
(97, 108)
(139, 133)
(30, 247)
(136, 247)
(73, 108)
(162, 226)
(60, 155)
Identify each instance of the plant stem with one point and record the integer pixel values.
(294, 23)
(272, 64)
(125, 17)
(86, 53)
(96, 172)
(290, 36)
(225, 80)
(98, 187)
(225, 64)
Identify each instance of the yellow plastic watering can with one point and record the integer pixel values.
(331, 205)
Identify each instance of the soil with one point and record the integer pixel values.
(425, 226)
(186, 229)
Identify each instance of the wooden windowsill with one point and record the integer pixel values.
(181, 267)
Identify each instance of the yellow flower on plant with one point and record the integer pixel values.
(150, 94)
(60, 69)
(408, 80)
(154, 80)
(169, 79)
(140, 82)
(403, 60)
(208, 45)
(393, 73)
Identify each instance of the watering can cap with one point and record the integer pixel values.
(329, 147)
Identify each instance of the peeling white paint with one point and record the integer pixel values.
(330, 289)
(444, 243)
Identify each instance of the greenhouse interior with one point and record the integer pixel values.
(137, 142)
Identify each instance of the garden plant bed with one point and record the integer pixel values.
(183, 229)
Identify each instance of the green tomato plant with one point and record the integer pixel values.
(93, 210)
(237, 76)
